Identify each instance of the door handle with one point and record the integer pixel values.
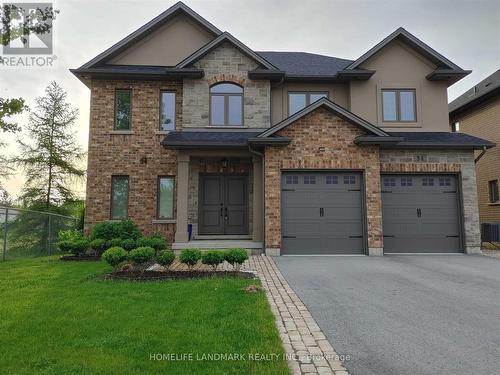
(321, 212)
(225, 213)
(221, 211)
(419, 212)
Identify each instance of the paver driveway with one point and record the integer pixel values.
(404, 314)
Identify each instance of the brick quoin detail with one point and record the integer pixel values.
(138, 155)
(322, 129)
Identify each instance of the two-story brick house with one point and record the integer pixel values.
(198, 137)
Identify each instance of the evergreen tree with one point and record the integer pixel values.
(50, 159)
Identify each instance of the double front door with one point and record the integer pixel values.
(223, 204)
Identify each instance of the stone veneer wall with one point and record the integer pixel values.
(138, 155)
(226, 63)
(322, 128)
(203, 165)
(443, 161)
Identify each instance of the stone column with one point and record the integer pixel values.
(257, 204)
(181, 234)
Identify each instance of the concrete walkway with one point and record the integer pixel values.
(308, 351)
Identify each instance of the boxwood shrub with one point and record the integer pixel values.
(65, 246)
(190, 257)
(114, 242)
(128, 244)
(108, 230)
(155, 242)
(212, 258)
(142, 255)
(79, 247)
(236, 257)
(114, 256)
(98, 245)
(165, 258)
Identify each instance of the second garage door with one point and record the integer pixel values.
(420, 214)
(321, 213)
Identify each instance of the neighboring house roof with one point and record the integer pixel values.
(487, 88)
(146, 29)
(223, 38)
(303, 63)
(139, 72)
(331, 106)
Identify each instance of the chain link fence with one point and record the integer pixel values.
(25, 233)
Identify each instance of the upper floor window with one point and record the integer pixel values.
(300, 100)
(123, 109)
(226, 105)
(167, 110)
(399, 105)
(455, 127)
(493, 191)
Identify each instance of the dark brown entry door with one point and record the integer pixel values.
(223, 207)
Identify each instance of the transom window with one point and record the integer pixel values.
(167, 110)
(349, 180)
(399, 105)
(300, 100)
(226, 105)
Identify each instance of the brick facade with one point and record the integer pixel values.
(138, 154)
(321, 140)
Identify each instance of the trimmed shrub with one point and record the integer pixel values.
(108, 230)
(212, 258)
(154, 242)
(79, 247)
(70, 235)
(114, 256)
(236, 257)
(190, 257)
(156, 235)
(165, 258)
(98, 245)
(128, 244)
(65, 246)
(115, 242)
(142, 255)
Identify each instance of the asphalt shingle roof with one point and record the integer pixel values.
(209, 138)
(303, 63)
(442, 138)
(487, 85)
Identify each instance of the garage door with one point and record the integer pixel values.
(420, 214)
(321, 213)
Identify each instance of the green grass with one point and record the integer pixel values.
(58, 318)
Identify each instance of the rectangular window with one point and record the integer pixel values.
(167, 110)
(123, 109)
(165, 197)
(119, 197)
(309, 180)
(332, 180)
(493, 190)
(300, 100)
(455, 127)
(399, 105)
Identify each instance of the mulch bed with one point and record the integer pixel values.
(80, 258)
(173, 275)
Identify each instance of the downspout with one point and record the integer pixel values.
(480, 155)
(261, 154)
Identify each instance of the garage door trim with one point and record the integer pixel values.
(460, 206)
(364, 221)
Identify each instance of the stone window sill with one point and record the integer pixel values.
(225, 127)
(122, 132)
(164, 221)
(494, 204)
(163, 132)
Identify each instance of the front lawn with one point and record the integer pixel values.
(57, 318)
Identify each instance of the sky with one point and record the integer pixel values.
(465, 31)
